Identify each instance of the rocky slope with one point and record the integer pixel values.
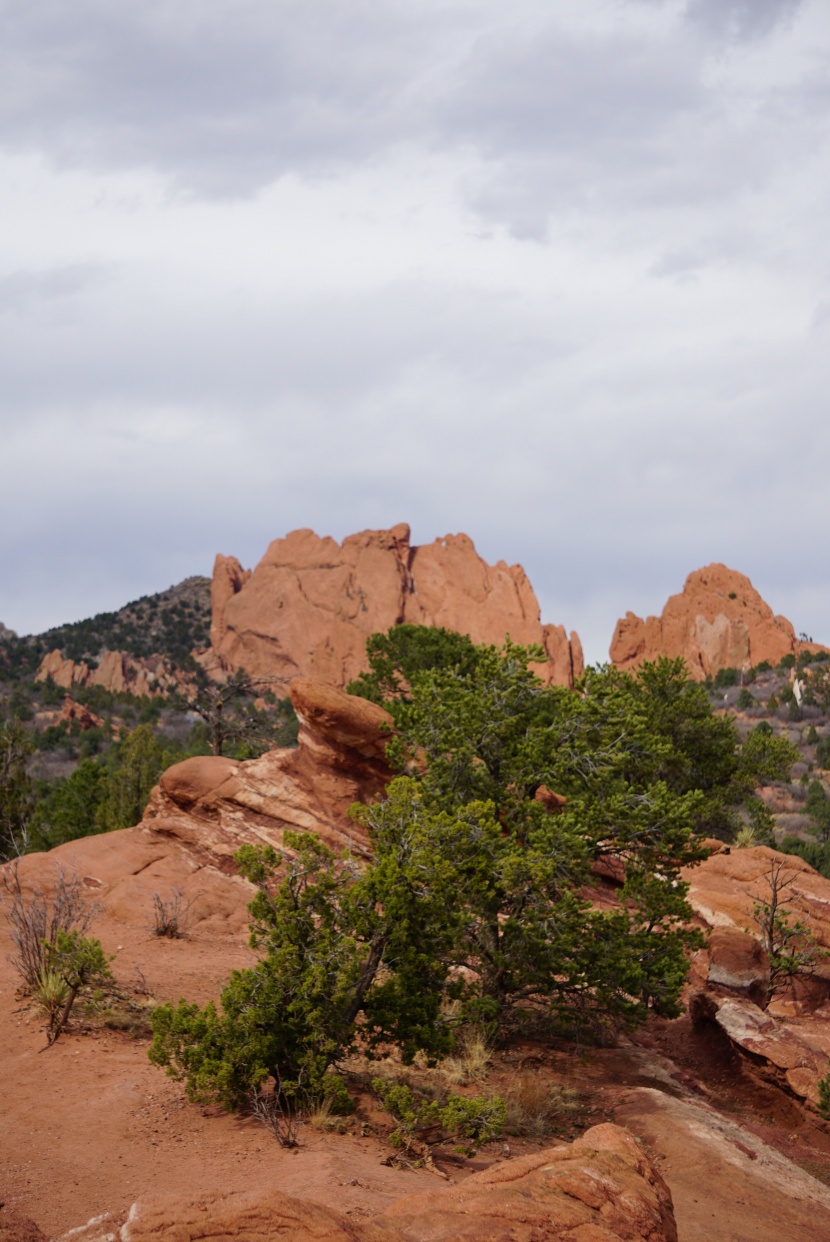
(311, 603)
(720, 1105)
(717, 621)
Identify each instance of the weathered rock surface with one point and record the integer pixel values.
(788, 1040)
(717, 621)
(601, 1188)
(310, 604)
(117, 672)
(726, 1183)
(215, 804)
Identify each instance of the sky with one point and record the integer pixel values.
(554, 273)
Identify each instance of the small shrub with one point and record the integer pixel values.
(726, 677)
(79, 962)
(50, 994)
(811, 736)
(772, 703)
(37, 920)
(745, 699)
(787, 661)
(277, 1114)
(824, 1096)
(422, 1122)
(170, 917)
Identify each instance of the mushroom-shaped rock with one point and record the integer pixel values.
(341, 719)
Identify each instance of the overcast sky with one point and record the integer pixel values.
(555, 273)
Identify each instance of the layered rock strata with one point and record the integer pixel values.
(310, 604)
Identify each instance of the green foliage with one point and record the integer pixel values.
(726, 677)
(475, 890)
(818, 808)
(232, 722)
(322, 936)
(788, 943)
(70, 809)
(475, 1121)
(813, 852)
(772, 703)
(17, 793)
(787, 661)
(761, 827)
(406, 650)
(811, 736)
(133, 770)
(823, 752)
(78, 961)
(824, 1097)
(745, 699)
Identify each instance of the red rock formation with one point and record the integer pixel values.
(790, 1037)
(601, 1188)
(228, 578)
(213, 804)
(117, 672)
(718, 621)
(310, 604)
(76, 713)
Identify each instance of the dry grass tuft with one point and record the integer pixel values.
(471, 1062)
(535, 1108)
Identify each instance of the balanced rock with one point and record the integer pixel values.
(717, 621)
(311, 603)
(212, 804)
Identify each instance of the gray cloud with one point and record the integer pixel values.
(741, 19)
(303, 302)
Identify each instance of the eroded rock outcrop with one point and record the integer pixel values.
(787, 1040)
(717, 621)
(216, 804)
(117, 673)
(310, 604)
(601, 1188)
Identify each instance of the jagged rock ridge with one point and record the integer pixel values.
(311, 603)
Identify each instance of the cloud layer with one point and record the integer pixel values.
(555, 275)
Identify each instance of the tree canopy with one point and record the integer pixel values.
(482, 888)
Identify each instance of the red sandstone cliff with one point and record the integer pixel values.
(311, 603)
(717, 621)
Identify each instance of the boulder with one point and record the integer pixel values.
(737, 961)
(310, 604)
(717, 621)
(194, 779)
(601, 1188)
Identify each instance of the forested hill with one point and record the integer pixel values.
(170, 623)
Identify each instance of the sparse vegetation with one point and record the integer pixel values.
(171, 915)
